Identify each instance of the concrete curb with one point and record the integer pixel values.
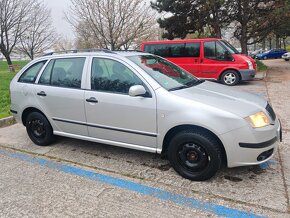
(7, 121)
(261, 75)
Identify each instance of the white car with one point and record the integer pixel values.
(142, 101)
(286, 56)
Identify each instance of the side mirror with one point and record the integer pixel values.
(228, 56)
(137, 90)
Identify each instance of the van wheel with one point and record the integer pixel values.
(194, 155)
(230, 78)
(39, 129)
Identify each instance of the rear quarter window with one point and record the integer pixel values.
(30, 74)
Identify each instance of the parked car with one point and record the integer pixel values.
(286, 56)
(255, 53)
(142, 101)
(206, 58)
(273, 53)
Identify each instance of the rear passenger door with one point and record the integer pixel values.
(112, 114)
(60, 95)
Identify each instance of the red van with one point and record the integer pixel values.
(206, 58)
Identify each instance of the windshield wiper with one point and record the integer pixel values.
(194, 82)
(177, 88)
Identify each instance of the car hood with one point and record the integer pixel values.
(225, 98)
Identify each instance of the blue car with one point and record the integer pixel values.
(273, 53)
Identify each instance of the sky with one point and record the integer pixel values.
(58, 7)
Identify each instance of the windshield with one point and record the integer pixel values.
(168, 75)
(229, 47)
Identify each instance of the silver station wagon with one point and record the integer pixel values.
(142, 101)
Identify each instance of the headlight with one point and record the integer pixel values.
(250, 64)
(258, 120)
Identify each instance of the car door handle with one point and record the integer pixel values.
(42, 93)
(92, 100)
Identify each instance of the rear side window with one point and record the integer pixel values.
(65, 72)
(29, 76)
(174, 50)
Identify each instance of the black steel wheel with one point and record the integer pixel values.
(39, 129)
(195, 155)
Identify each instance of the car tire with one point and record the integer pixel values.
(195, 155)
(39, 129)
(265, 57)
(230, 78)
(286, 59)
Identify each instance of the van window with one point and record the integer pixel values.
(214, 50)
(191, 49)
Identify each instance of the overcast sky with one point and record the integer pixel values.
(57, 8)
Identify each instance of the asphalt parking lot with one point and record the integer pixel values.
(75, 178)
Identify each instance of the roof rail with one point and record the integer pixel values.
(81, 50)
(129, 50)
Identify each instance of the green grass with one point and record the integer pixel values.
(261, 66)
(5, 78)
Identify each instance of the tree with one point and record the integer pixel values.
(13, 21)
(110, 24)
(39, 35)
(255, 19)
(191, 16)
(63, 44)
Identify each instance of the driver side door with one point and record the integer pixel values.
(112, 114)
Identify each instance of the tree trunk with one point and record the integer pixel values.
(277, 41)
(264, 45)
(284, 43)
(8, 59)
(243, 39)
(217, 31)
(9, 62)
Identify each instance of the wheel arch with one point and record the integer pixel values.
(28, 111)
(236, 70)
(173, 131)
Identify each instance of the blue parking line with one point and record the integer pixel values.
(267, 164)
(132, 186)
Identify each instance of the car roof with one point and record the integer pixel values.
(180, 41)
(122, 53)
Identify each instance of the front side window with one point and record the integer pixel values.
(214, 50)
(167, 74)
(66, 72)
(112, 76)
(29, 76)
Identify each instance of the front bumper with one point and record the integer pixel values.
(264, 143)
(247, 74)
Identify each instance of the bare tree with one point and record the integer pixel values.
(39, 35)
(111, 23)
(63, 44)
(13, 20)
